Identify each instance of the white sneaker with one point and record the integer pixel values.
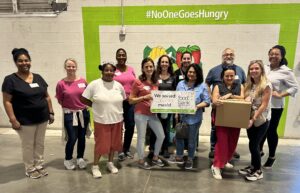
(69, 164)
(81, 163)
(112, 168)
(216, 172)
(228, 165)
(96, 172)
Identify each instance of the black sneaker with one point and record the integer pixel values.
(254, 175)
(158, 162)
(269, 163)
(121, 156)
(236, 155)
(144, 166)
(246, 170)
(188, 164)
(129, 155)
(211, 155)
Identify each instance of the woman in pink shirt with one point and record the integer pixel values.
(125, 75)
(76, 115)
(141, 97)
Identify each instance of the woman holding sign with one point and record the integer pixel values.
(166, 81)
(141, 97)
(258, 90)
(193, 81)
(227, 137)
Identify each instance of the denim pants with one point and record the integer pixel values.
(75, 133)
(141, 125)
(192, 141)
(128, 124)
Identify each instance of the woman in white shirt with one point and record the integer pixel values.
(284, 84)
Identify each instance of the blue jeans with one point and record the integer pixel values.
(192, 141)
(75, 133)
(141, 125)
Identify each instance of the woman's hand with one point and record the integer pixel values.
(147, 97)
(276, 94)
(251, 121)
(218, 103)
(227, 96)
(248, 99)
(15, 125)
(51, 118)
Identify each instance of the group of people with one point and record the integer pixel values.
(119, 98)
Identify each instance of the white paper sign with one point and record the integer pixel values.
(182, 102)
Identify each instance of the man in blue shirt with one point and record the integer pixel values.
(213, 78)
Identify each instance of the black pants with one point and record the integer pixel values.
(128, 124)
(271, 134)
(166, 124)
(255, 135)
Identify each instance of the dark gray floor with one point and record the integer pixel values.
(283, 178)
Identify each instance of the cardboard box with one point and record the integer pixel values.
(233, 113)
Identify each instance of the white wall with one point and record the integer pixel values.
(51, 40)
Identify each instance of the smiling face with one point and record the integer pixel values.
(255, 71)
(186, 60)
(228, 57)
(148, 69)
(191, 74)
(275, 57)
(70, 67)
(121, 57)
(23, 63)
(108, 73)
(164, 64)
(228, 77)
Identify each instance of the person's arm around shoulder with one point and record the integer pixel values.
(10, 111)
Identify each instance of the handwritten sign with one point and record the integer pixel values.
(173, 102)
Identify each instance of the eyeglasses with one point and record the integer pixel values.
(229, 54)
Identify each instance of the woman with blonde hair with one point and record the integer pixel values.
(257, 90)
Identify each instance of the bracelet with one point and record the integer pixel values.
(51, 113)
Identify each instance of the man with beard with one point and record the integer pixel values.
(212, 79)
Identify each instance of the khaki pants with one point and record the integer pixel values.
(32, 138)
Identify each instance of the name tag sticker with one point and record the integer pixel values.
(236, 77)
(81, 85)
(159, 81)
(117, 73)
(34, 85)
(146, 87)
(181, 77)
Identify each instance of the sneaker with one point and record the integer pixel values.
(42, 171)
(112, 168)
(96, 172)
(188, 164)
(175, 160)
(236, 155)
(33, 174)
(211, 155)
(254, 175)
(158, 162)
(144, 165)
(228, 165)
(81, 163)
(129, 155)
(69, 164)
(121, 156)
(269, 163)
(246, 170)
(166, 154)
(216, 172)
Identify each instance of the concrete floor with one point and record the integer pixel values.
(283, 178)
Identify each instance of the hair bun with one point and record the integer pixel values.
(14, 51)
(100, 67)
